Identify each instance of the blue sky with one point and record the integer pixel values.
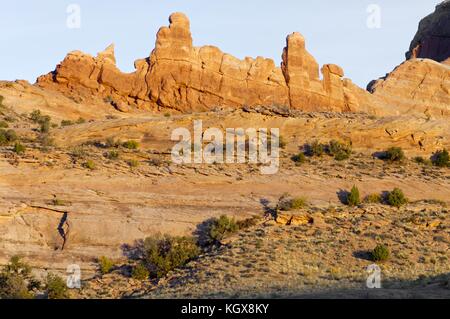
(34, 35)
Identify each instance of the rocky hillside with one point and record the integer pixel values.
(86, 169)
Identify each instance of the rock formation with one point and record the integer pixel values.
(180, 76)
(432, 40)
(185, 78)
(422, 84)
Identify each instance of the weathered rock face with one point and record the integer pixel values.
(421, 84)
(180, 76)
(432, 40)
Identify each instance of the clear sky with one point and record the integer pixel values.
(34, 36)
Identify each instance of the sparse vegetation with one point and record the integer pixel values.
(4, 124)
(89, 164)
(44, 121)
(56, 287)
(140, 272)
(106, 265)
(394, 154)
(374, 199)
(441, 159)
(396, 198)
(338, 150)
(19, 148)
(112, 155)
(316, 149)
(353, 198)
(58, 202)
(163, 254)
(7, 137)
(422, 161)
(381, 253)
(299, 158)
(112, 143)
(133, 163)
(221, 228)
(131, 145)
(288, 203)
(1, 101)
(16, 281)
(282, 142)
(65, 123)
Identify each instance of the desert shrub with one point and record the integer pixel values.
(58, 202)
(167, 115)
(19, 148)
(131, 145)
(338, 150)
(65, 123)
(163, 254)
(16, 281)
(441, 159)
(106, 265)
(133, 163)
(112, 155)
(380, 253)
(140, 272)
(394, 154)
(79, 152)
(112, 143)
(397, 198)
(316, 149)
(13, 286)
(288, 203)
(81, 121)
(46, 141)
(7, 137)
(56, 287)
(374, 199)
(89, 164)
(299, 158)
(247, 223)
(422, 161)
(4, 124)
(44, 127)
(353, 198)
(282, 142)
(221, 227)
(1, 101)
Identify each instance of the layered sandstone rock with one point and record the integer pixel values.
(180, 76)
(421, 85)
(432, 40)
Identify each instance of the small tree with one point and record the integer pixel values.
(353, 198)
(441, 159)
(106, 265)
(132, 145)
(140, 272)
(397, 198)
(19, 148)
(394, 154)
(222, 228)
(16, 281)
(56, 287)
(380, 253)
(166, 253)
